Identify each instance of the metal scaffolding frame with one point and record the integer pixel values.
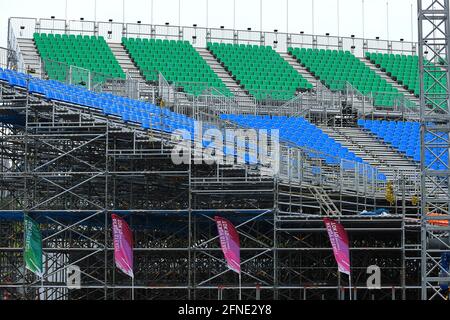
(70, 167)
(434, 32)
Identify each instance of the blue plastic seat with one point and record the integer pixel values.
(18, 82)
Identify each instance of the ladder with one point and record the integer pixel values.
(327, 205)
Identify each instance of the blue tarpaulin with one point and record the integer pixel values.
(376, 213)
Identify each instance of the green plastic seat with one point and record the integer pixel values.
(405, 70)
(59, 52)
(178, 61)
(337, 68)
(260, 70)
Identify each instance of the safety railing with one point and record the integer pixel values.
(407, 182)
(142, 84)
(132, 87)
(175, 95)
(318, 101)
(95, 81)
(4, 58)
(359, 101)
(339, 94)
(332, 100)
(325, 100)
(169, 96)
(396, 102)
(114, 31)
(9, 60)
(306, 166)
(311, 167)
(16, 55)
(296, 164)
(199, 36)
(273, 98)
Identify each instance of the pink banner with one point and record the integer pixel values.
(339, 241)
(229, 241)
(123, 245)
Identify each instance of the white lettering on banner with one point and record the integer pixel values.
(118, 234)
(224, 235)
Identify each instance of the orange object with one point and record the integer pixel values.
(439, 223)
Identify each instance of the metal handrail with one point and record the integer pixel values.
(14, 47)
(200, 35)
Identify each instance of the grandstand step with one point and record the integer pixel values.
(322, 91)
(224, 76)
(302, 70)
(391, 81)
(124, 59)
(147, 90)
(373, 151)
(30, 55)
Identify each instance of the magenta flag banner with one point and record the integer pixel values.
(229, 241)
(339, 241)
(123, 245)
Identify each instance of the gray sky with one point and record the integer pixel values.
(221, 13)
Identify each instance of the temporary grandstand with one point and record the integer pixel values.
(88, 112)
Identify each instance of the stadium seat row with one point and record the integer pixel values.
(150, 116)
(260, 70)
(91, 55)
(147, 115)
(405, 70)
(405, 137)
(304, 134)
(335, 68)
(178, 61)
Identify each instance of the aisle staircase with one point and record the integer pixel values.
(391, 81)
(323, 94)
(303, 71)
(146, 90)
(295, 200)
(374, 151)
(243, 97)
(31, 56)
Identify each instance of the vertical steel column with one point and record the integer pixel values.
(106, 212)
(434, 30)
(27, 193)
(275, 239)
(190, 230)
